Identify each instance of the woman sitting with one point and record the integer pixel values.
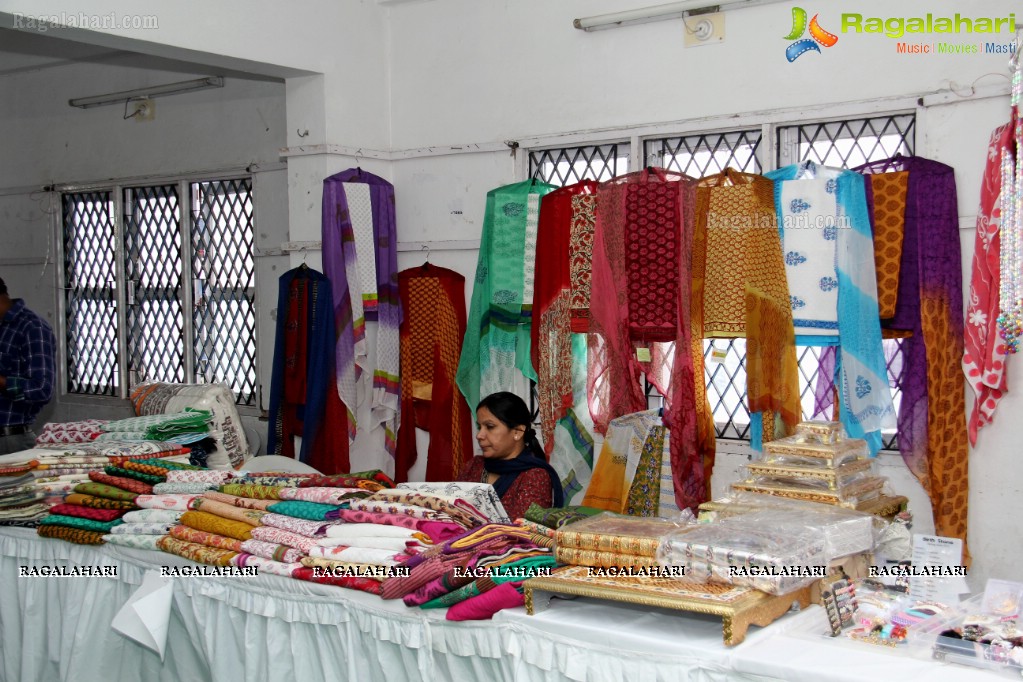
(513, 461)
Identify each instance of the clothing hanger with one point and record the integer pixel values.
(426, 263)
(358, 165)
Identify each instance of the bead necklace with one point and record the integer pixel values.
(1010, 318)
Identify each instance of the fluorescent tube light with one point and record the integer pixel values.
(674, 10)
(145, 93)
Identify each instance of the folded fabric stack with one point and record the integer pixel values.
(70, 432)
(476, 574)
(22, 503)
(184, 427)
(555, 518)
(92, 512)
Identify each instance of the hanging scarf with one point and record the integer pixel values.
(932, 425)
(360, 258)
(432, 328)
(551, 335)
(495, 352)
(829, 260)
(303, 400)
(640, 314)
(985, 355)
(745, 291)
(508, 470)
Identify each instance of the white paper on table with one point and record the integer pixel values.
(145, 617)
(937, 551)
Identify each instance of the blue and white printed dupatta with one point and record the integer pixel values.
(823, 211)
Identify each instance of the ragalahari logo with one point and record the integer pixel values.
(818, 36)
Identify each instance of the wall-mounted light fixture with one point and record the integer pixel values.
(148, 93)
(673, 10)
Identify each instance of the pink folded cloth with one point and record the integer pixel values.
(484, 606)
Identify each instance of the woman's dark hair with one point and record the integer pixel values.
(513, 412)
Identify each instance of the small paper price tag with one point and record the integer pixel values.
(643, 354)
(718, 355)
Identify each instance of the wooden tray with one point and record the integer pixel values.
(738, 607)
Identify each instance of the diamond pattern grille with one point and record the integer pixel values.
(155, 317)
(847, 144)
(90, 305)
(569, 165)
(701, 155)
(223, 276)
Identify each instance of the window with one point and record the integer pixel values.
(170, 261)
(569, 165)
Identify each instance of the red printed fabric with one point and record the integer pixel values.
(350, 582)
(341, 481)
(129, 484)
(640, 318)
(561, 293)
(87, 512)
(651, 259)
(984, 356)
(70, 432)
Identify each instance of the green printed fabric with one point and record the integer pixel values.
(313, 511)
(80, 523)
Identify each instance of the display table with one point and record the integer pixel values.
(268, 627)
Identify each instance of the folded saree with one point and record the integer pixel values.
(174, 502)
(271, 550)
(79, 523)
(408, 546)
(227, 511)
(395, 508)
(198, 553)
(350, 582)
(310, 511)
(198, 476)
(357, 555)
(311, 529)
(280, 536)
(341, 481)
(150, 528)
(243, 502)
(264, 565)
(458, 510)
(106, 491)
(152, 516)
(133, 541)
(96, 502)
(129, 484)
(151, 479)
(202, 537)
(372, 530)
(87, 512)
(183, 488)
(257, 492)
(332, 496)
(216, 524)
(75, 535)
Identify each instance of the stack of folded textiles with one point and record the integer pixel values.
(556, 517)
(609, 540)
(475, 574)
(83, 431)
(183, 428)
(22, 503)
(143, 528)
(94, 508)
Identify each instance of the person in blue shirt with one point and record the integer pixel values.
(27, 371)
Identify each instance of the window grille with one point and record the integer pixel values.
(223, 276)
(90, 303)
(567, 166)
(160, 245)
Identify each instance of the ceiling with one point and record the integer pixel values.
(26, 52)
